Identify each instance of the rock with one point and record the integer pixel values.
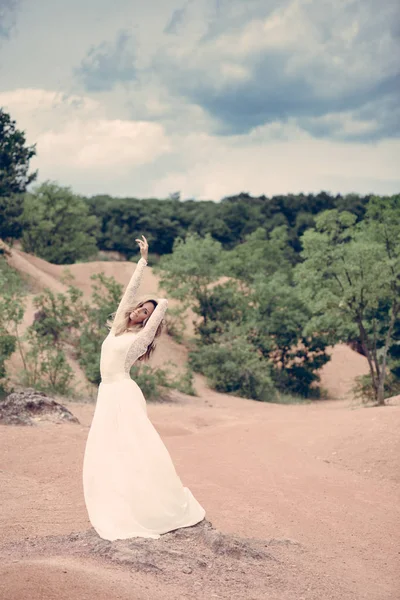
(29, 406)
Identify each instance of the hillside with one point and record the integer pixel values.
(337, 376)
(42, 274)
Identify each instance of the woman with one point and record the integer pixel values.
(130, 484)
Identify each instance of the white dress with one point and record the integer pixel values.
(130, 485)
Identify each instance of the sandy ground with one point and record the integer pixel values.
(302, 501)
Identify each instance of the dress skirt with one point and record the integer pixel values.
(131, 488)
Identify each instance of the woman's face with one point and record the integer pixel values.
(139, 314)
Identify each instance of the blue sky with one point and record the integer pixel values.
(206, 97)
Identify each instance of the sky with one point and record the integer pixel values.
(208, 98)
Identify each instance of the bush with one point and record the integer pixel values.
(364, 391)
(175, 320)
(46, 367)
(235, 368)
(150, 380)
(184, 382)
(92, 329)
(11, 314)
(88, 351)
(8, 344)
(282, 398)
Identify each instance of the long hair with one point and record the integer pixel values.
(123, 324)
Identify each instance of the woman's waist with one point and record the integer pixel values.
(112, 377)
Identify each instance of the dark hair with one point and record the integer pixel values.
(154, 303)
(152, 346)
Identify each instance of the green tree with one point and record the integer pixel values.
(57, 225)
(187, 273)
(222, 305)
(234, 366)
(278, 329)
(14, 176)
(262, 252)
(258, 306)
(350, 279)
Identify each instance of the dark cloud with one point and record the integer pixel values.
(108, 64)
(273, 97)
(334, 62)
(375, 120)
(8, 10)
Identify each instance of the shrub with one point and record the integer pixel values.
(234, 367)
(364, 390)
(46, 367)
(150, 380)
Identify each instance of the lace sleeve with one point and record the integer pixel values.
(130, 293)
(146, 335)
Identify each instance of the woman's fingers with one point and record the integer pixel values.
(142, 243)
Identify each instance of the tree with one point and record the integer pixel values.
(14, 177)
(57, 225)
(279, 332)
(261, 253)
(233, 366)
(350, 279)
(187, 273)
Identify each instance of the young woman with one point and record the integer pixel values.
(131, 488)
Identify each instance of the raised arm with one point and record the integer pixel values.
(130, 293)
(133, 286)
(146, 335)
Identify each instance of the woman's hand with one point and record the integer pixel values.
(144, 247)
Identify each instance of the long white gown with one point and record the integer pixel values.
(131, 488)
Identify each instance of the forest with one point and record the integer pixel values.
(273, 281)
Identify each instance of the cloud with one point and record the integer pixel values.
(72, 133)
(177, 19)
(209, 97)
(8, 9)
(373, 121)
(307, 60)
(278, 162)
(78, 145)
(332, 67)
(108, 64)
